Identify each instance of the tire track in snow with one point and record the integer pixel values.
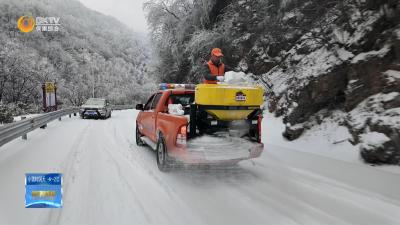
(69, 169)
(134, 159)
(131, 188)
(305, 187)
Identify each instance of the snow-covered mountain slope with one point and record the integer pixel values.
(90, 53)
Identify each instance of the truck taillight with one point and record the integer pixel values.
(182, 136)
(260, 117)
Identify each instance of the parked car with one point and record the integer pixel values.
(95, 108)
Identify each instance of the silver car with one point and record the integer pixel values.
(95, 108)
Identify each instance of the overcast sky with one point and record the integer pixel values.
(130, 12)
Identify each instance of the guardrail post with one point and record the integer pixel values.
(25, 136)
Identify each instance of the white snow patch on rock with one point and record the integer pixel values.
(344, 54)
(373, 140)
(390, 118)
(341, 35)
(320, 61)
(288, 16)
(317, 63)
(363, 27)
(366, 55)
(243, 65)
(352, 81)
(392, 75)
(397, 33)
(388, 97)
(372, 108)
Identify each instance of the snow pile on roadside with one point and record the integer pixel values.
(29, 116)
(326, 137)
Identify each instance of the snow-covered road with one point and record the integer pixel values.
(109, 180)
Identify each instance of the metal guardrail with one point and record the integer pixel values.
(14, 130)
(122, 107)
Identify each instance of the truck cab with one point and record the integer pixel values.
(151, 118)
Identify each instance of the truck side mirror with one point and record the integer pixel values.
(140, 107)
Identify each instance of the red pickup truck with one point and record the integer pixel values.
(192, 136)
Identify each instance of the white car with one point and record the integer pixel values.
(95, 108)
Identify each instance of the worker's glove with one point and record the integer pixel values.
(220, 78)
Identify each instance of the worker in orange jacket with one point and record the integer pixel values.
(215, 69)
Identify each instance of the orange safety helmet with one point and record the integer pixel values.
(217, 52)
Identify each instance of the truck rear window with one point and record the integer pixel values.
(184, 100)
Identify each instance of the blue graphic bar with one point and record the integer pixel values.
(43, 190)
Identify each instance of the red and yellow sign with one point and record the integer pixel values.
(26, 24)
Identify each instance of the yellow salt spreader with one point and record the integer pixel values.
(227, 107)
(229, 102)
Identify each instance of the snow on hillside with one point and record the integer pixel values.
(328, 139)
(373, 140)
(84, 58)
(373, 108)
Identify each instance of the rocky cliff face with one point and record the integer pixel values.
(321, 56)
(356, 71)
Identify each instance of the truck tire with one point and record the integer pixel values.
(139, 141)
(162, 161)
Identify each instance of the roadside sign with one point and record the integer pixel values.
(49, 96)
(50, 87)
